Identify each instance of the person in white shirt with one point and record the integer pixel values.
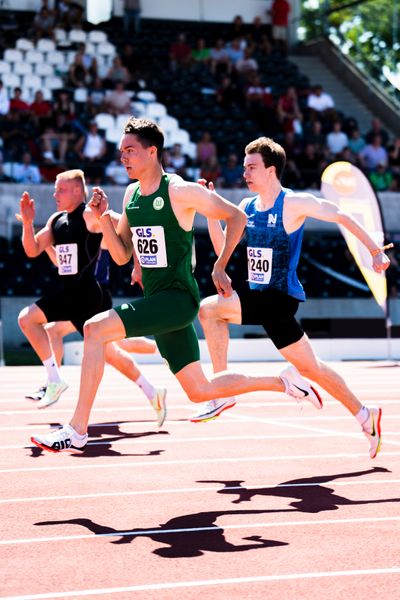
(321, 104)
(337, 139)
(26, 172)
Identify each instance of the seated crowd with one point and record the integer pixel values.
(42, 137)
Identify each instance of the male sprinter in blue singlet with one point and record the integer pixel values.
(157, 228)
(274, 230)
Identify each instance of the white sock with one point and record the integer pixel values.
(145, 386)
(363, 415)
(80, 436)
(53, 373)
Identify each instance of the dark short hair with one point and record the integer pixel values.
(148, 133)
(272, 153)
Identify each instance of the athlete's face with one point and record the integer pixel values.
(256, 174)
(134, 156)
(67, 193)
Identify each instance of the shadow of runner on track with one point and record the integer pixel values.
(111, 433)
(187, 535)
(313, 497)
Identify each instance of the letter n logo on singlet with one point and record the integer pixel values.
(272, 220)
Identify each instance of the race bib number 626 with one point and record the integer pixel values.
(259, 264)
(149, 243)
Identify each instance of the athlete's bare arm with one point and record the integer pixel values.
(119, 241)
(33, 244)
(187, 199)
(300, 206)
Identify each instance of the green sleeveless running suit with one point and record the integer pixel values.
(171, 295)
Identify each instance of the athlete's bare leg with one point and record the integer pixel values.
(138, 345)
(301, 354)
(31, 320)
(56, 332)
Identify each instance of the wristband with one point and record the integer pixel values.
(379, 250)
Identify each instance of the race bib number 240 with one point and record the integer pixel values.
(259, 264)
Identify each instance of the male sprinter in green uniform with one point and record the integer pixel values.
(157, 227)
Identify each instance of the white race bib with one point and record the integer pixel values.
(149, 243)
(67, 259)
(259, 265)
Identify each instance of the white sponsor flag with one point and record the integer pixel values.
(98, 11)
(345, 185)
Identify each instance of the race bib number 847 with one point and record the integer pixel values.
(149, 243)
(67, 259)
(259, 264)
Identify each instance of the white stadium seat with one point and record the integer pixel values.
(44, 69)
(11, 55)
(121, 122)
(97, 37)
(180, 136)
(168, 124)
(5, 67)
(113, 135)
(55, 58)
(77, 35)
(106, 49)
(45, 45)
(80, 95)
(22, 68)
(105, 121)
(138, 108)
(53, 82)
(32, 82)
(24, 44)
(60, 34)
(146, 96)
(11, 81)
(155, 110)
(34, 57)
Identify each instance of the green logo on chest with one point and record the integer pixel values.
(158, 203)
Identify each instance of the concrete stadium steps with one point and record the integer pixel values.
(345, 100)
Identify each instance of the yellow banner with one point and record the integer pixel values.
(345, 185)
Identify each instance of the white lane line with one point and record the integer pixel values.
(205, 583)
(191, 530)
(194, 461)
(232, 488)
(157, 440)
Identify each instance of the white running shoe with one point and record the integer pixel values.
(53, 392)
(38, 395)
(299, 388)
(372, 430)
(63, 440)
(159, 405)
(212, 409)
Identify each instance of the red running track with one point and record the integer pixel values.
(267, 500)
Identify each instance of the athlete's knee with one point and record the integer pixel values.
(207, 312)
(25, 318)
(92, 330)
(310, 369)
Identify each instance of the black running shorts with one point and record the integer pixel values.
(275, 311)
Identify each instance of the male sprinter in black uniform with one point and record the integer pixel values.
(76, 235)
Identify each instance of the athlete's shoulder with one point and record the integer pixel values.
(246, 202)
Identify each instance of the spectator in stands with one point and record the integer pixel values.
(41, 111)
(57, 138)
(258, 32)
(237, 29)
(43, 23)
(381, 177)
(4, 100)
(235, 51)
(377, 129)
(260, 103)
(336, 140)
(310, 165)
(115, 172)
(117, 72)
(132, 11)
(131, 61)
(229, 93)
(3, 177)
(118, 102)
(314, 134)
(373, 154)
(201, 53)
(180, 53)
(49, 168)
(231, 173)
(205, 148)
(91, 149)
(280, 10)
(25, 171)
(78, 75)
(288, 109)
(69, 15)
(246, 66)
(211, 169)
(356, 142)
(394, 160)
(96, 98)
(17, 104)
(220, 63)
(177, 161)
(321, 105)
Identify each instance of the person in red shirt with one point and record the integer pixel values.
(279, 12)
(17, 104)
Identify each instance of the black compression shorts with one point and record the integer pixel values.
(77, 303)
(275, 311)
